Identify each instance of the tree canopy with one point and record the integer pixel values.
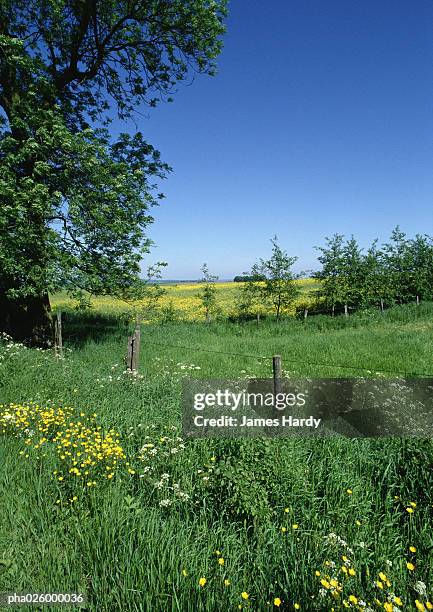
(76, 203)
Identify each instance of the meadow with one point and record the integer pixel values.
(101, 494)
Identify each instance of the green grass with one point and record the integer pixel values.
(127, 552)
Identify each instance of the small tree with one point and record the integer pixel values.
(249, 297)
(207, 293)
(334, 285)
(278, 286)
(144, 297)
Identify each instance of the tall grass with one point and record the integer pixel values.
(126, 551)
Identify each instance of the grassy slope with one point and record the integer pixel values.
(128, 553)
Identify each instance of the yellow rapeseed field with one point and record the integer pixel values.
(184, 300)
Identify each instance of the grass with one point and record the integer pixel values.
(122, 544)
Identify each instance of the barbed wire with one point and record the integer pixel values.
(292, 361)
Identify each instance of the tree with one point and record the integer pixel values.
(249, 296)
(75, 204)
(334, 285)
(352, 275)
(278, 287)
(208, 292)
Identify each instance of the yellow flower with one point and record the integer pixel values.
(358, 523)
(352, 571)
(398, 601)
(413, 504)
(412, 548)
(295, 526)
(218, 553)
(184, 572)
(277, 602)
(297, 606)
(317, 573)
(353, 599)
(429, 605)
(344, 569)
(388, 606)
(226, 582)
(382, 576)
(60, 478)
(379, 584)
(419, 605)
(410, 566)
(202, 581)
(325, 583)
(349, 491)
(221, 561)
(244, 595)
(287, 510)
(410, 510)
(284, 529)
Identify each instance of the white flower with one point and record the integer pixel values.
(420, 588)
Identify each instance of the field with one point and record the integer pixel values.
(185, 299)
(100, 493)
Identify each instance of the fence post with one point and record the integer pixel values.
(133, 351)
(277, 371)
(58, 340)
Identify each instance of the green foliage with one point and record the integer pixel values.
(400, 272)
(278, 287)
(75, 203)
(207, 293)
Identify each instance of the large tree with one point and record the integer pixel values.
(74, 202)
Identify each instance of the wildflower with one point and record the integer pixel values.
(398, 601)
(429, 605)
(277, 602)
(295, 526)
(284, 529)
(184, 572)
(388, 606)
(352, 571)
(410, 566)
(412, 549)
(325, 583)
(297, 606)
(202, 581)
(413, 504)
(286, 510)
(221, 561)
(358, 523)
(244, 595)
(218, 553)
(419, 605)
(409, 510)
(317, 573)
(226, 582)
(349, 491)
(382, 576)
(353, 599)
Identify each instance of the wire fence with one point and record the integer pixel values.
(294, 361)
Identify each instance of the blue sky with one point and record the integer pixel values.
(319, 121)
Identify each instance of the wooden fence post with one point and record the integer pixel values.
(133, 352)
(278, 375)
(58, 339)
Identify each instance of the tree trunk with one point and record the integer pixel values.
(27, 320)
(381, 305)
(417, 300)
(333, 309)
(346, 311)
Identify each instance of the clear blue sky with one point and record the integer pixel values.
(320, 120)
